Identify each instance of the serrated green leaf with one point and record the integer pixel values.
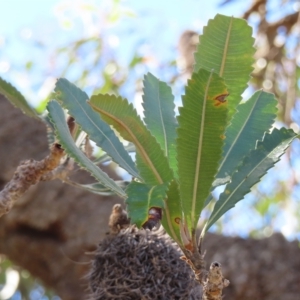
(152, 164)
(252, 119)
(17, 99)
(202, 123)
(226, 46)
(98, 188)
(65, 139)
(75, 101)
(50, 129)
(221, 181)
(254, 166)
(105, 158)
(158, 103)
(172, 212)
(141, 198)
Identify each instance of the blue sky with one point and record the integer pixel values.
(158, 23)
(19, 13)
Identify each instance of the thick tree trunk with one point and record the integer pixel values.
(54, 225)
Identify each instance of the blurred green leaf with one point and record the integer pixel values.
(135, 61)
(17, 99)
(29, 65)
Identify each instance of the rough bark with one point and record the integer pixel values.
(54, 225)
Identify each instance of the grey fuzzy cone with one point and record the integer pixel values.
(140, 264)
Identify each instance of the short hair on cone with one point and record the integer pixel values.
(140, 264)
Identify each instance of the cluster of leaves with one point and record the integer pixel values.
(179, 161)
(215, 140)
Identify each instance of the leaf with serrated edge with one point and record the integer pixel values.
(151, 162)
(226, 46)
(105, 157)
(93, 188)
(98, 188)
(65, 139)
(248, 125)
(158, 103)
(202, 123)
(141, 198)
(75, 101)
(254, 166)
(172, 212)
(17, 99)
(252, 119)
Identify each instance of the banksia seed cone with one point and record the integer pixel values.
(140, 264)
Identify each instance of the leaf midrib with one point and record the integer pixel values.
(162, 121)
(135, 141)
(240, 131)
(198, 161)
(226, 48)
(149, 195)
(163, 124)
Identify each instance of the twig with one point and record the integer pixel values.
(28, 173)
(212, 281)
(61, 172)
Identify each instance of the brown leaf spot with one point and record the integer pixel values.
(221, 99)
(177, 220)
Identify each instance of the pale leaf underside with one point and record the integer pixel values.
(75, 101)
(65, 139)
